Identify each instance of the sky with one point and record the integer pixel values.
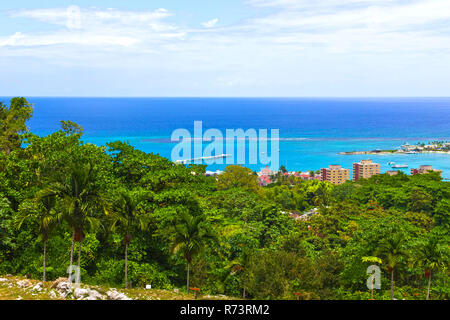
(225, 48)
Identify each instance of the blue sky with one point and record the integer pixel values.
(225, 48)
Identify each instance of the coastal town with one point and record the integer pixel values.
(420, 147)
(334, 174)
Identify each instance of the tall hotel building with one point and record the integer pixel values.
(335, 174)
(365, 169)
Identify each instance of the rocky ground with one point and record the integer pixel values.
(17, 288)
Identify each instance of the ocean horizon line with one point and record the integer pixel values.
(226, 97)
(168, 140)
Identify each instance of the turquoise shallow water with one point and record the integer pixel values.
(312, 131)
(315, 154)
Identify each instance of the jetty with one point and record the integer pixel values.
(186, 161)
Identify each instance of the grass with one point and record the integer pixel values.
(9, 290)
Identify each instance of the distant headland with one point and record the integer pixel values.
(421, 147)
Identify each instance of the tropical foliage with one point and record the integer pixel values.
(138, 218)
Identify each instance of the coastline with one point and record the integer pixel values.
(386, 152)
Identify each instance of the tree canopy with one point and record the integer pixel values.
(291, 239)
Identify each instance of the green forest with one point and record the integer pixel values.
(130, 218)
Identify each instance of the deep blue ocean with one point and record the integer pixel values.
(312, 130)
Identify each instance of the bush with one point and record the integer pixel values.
(143, 274)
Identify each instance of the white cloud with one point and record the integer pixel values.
(93, 16)
(351, 25)
(210, 23)
(389, 16)
(285, 44)
(295, 4)
(355, 25)
(95, 27)
(21, 40)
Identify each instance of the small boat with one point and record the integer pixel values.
(391, 163)
(400, 166)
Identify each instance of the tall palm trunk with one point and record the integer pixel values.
(429, 286)
(71, 253)
(371, 294)
(45, 259)
(392, 284)
(78, 280)
(126, 264)
(188, 271)
(243, 292)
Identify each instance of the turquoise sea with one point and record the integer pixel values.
(312, 131)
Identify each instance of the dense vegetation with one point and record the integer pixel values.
(121, 214)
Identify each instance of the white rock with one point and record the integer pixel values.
(52, 295)
(57, 281)
(94, 295)
(3, 280)
(115, 295)
(19, 298)
(148, 286)
(23, 283)
(38, 287)
(64, 288)
(80, 293)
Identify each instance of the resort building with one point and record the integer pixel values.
(265, 176)
(308, 176)
(409, 147)
(424, 169)
(267, 172)
(335, 174)
(365, 169)
(264, 180)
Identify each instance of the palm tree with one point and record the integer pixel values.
(46, 217)
(240, 265)
(128, 215)
(190, 236)
(321, 193)
(81, 199)
(431, 256)
(392, 249)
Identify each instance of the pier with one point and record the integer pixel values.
(186, 161)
